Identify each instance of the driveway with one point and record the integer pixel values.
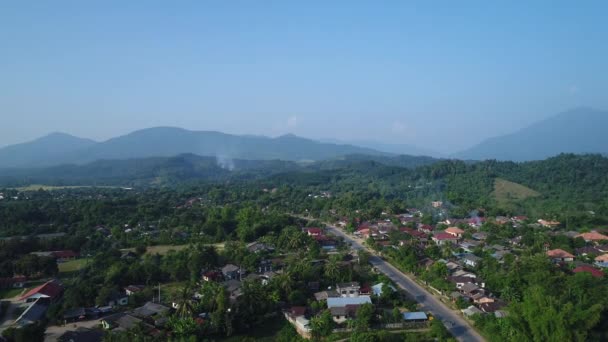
(53, 332)
(460, 329)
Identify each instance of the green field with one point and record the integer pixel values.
(68, 268)
(9, 293)
(506, 192)
(164, 249)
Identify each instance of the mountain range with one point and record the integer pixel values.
(579, 130)
(58, 148)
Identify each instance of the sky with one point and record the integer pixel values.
(443, 75)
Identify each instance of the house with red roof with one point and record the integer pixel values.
(454, 231)
(592, 236)
(589, 269)
(313, 231)
(51, 289)
(560, 255)
(425, 228)
(441, 239)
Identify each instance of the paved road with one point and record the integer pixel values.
(461, 329)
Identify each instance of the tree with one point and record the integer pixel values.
(364, 317)
(322, 325)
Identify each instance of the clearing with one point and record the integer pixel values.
(69, 268)
(506, 191)
(164, 249)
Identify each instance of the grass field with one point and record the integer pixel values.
(69, 268)
(506, 192)
(164, 249)
(9, 293)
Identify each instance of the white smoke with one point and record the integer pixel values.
(225, 162)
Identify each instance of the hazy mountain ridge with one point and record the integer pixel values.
(170, 141)
(581, 130)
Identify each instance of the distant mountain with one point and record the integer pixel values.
(169, 141)
(398, 149)
(44, 151)
(581, 130)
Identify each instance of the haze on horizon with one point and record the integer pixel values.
(442, 76)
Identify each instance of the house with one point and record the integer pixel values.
(471, 260)
(593, 236)
(313, 231)
(425, 228)
(16, 282)
(343, 308)
(233, 287)
(441, 239)
(480, 236)
(264, 266)
(559, 255)
(454, 231)
(602, 258)
(212, 276)
(415, 316)
(124, 321)
(587, 250)
(589, 269)
(460, 281)
(481, 298)
(63, 256)
(133, 289)
(82, 335)
(470, 311)
(342, 313)
(36, 312)
(153, 313)
(437, 204)
(470, 289)
(548, 223)
(296, 316)
(117, 299)
(231, 271)
(259, 247)
(344, 301)
(52, 289)
(323, 295)
(350, 289)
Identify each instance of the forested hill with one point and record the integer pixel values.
(564, 184)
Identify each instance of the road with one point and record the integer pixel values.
(461, 330)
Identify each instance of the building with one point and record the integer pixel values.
(559, 255)
(593, 237)
(589, 269)
(342, 313)
(51, 289)
(454, 231)
(344, 301)
(441, 239)
(133, 289)
(231, 271)
(351, 289)
(471, 260)
(415, 316)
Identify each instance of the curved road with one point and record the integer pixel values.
(460, 329)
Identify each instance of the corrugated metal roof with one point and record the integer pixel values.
(410, 316)
(340, 301)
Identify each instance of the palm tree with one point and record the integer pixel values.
(184, 309)
(332, 269)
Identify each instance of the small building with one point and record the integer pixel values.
(342, 313)
(441, 239)
(470, 311)
(350, 289)
(133, 289)
(415, 316)
(559, 255)
(593, 236)
(344, 301)
(378, 288)
(471, 260)
(231, 271)
(454, 231)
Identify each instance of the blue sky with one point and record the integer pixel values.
(439, 74)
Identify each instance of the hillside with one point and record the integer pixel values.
(506, 191)
(48, 150)
(168, 142)
(581, 130)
